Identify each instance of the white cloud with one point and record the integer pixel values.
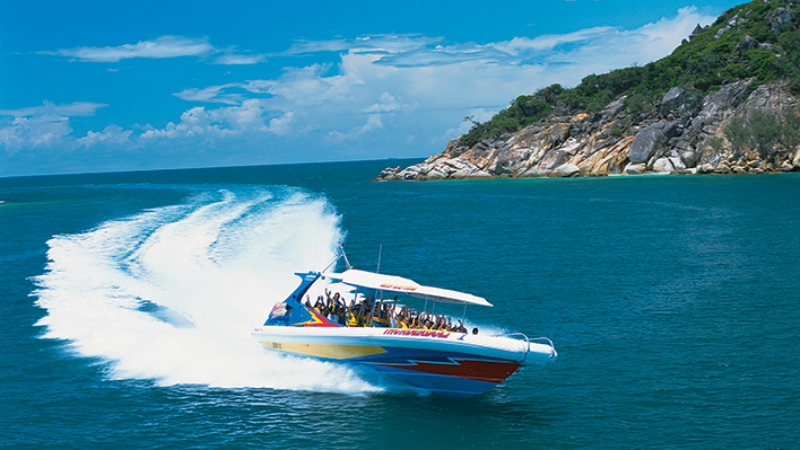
(332, 45)
(159, 48)
(519, 45)
(239, 59)
(43, 125)
(229, 93)
(162, 47)
(212, 94)
(111, 135)
(199, 122)
(373, 123)
(399, 84)
(386, 103)
(51, 109)
(33, 132)
(281, 125)
(381, 43)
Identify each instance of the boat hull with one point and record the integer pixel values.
(445, 363)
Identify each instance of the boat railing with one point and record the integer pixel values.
(542, 340)
(518, 336)
(528, 340)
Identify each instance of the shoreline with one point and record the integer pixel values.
(684, 173)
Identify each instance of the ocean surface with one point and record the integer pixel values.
(127, 300)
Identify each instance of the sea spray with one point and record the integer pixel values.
(172, 294)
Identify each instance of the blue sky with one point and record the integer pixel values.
(97, 86)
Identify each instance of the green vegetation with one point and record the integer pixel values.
(703, 63)
(764, 132)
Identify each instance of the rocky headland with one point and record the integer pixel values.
(726, 101)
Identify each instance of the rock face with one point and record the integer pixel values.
(778, 19)
(683, 133)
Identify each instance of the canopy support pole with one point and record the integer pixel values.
(346, 261)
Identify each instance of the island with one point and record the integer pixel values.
(724, 102)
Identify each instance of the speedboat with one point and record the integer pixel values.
(450, 363)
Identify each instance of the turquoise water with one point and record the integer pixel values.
(127, 299)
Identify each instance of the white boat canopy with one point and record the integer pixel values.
(393, 283)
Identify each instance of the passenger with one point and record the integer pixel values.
(341, 314)
(398, 317)
(366, 321)
(382, 318)
(388, 314)
(475, 330)
(355, 313)
(418, 320)
(338, 299)
(352, 318)
(320, 307)
(329, 308)
(366, 315)
(404, 313)
(369, 303)
(308, 302)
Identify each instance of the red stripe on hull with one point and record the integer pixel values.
(491, 371)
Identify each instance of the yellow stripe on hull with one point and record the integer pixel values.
(331, 351)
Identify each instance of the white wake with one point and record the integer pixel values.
(172, 294)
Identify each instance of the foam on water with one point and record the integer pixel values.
(172, 294)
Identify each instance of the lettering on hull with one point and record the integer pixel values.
(421, 333)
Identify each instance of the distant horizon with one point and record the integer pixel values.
(112, 88)
(298, 163)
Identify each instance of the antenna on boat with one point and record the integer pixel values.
(346, 261)
(380, 250)
(336, 258)
(330, 264)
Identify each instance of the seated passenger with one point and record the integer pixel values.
(341, 315)
(381, 317)
(319, 306)
(417, 320)
(352, 318)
